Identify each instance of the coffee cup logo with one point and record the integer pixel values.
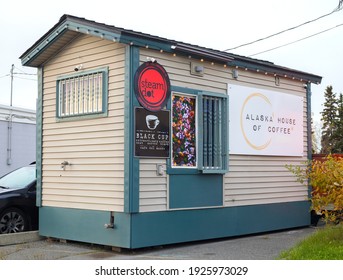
(152, 121)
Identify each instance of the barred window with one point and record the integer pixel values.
(214, 137)
(82, 94)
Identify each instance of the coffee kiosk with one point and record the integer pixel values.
(146, 141)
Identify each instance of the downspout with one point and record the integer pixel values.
(309, 122)
(309, 140)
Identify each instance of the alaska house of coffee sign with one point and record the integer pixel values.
(152, 131)
(264, 122)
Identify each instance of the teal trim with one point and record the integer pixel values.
(159, 228)
(131, 163)
(141, 42)
(31, 54)
(85, 226)
(183, 90)
(39, 136)
(85, 73)
(201, 95)
(189, 191)
(265, 66)
(58, 32)
(214, 159)
(89, 30)
(76, 117)
(180, 171)
(167, 227)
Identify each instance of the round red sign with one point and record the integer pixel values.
(152, 86)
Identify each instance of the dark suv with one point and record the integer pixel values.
(18, 211)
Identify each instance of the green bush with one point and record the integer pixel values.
(326, 179)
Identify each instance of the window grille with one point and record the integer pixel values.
(82, 94)
(214, 136)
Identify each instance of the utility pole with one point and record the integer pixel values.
(9, 127)
(12, 68)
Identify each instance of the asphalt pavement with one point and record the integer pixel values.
(265, 246)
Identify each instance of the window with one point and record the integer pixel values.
(82, 94)
(213, 120)
(199, 132)
(184, 131)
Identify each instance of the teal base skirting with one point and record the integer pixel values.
(158, 228)
(85, 226)
(155, 228)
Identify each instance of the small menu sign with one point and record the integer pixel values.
(152, 133)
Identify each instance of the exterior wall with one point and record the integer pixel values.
(94, 146)
(154, 189)
(251, 179)
(22, 141)
(264, 179)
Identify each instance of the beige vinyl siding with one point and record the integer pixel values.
(265, 179)
(153, 188)
(251, 179)
(260, 180)
(93, 146)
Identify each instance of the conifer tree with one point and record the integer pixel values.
(338, 129)
(329, 116)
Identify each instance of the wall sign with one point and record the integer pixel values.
(152, 132)
(264, 122)
(152, 86)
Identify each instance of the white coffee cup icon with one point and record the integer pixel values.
(152, 121)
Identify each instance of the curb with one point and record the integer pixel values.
(20, 237)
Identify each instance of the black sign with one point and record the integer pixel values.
(152, 133)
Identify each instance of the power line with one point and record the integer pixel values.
(25, 78)
(14, 73)
(296, 41)
(338, 8)
(25, 73)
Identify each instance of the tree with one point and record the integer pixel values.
(329, 115)
(338, 129)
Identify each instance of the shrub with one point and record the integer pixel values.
(326, 178)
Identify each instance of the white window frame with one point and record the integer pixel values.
(195, 167)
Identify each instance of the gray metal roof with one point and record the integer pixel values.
(69, 27)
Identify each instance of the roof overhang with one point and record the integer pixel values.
(70, 27)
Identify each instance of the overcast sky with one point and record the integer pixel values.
(218, 24)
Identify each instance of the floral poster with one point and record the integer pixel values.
(184, 139)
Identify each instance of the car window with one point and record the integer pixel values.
(19, 178)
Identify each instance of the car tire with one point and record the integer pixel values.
(13, 220)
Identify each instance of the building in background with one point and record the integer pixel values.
(17, 138)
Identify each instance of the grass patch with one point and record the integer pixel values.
(324, 244)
